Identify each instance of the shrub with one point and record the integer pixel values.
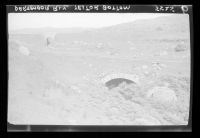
(180, 47)
(159, 29)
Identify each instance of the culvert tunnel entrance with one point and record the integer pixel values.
(113, 83)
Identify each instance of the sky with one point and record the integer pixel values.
(18, 21)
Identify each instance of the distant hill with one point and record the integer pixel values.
(47, 29)
(167, 23)
(171, 27)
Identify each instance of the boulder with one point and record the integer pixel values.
(24, 50)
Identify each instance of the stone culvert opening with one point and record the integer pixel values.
(125, 84)
(113, 83)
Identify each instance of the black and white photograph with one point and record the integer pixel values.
(130, 69)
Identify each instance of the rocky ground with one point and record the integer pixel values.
(62, 84)
(66, 90)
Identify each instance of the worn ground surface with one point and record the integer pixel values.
(63, 85)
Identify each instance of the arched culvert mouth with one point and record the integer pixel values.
(113, 83)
